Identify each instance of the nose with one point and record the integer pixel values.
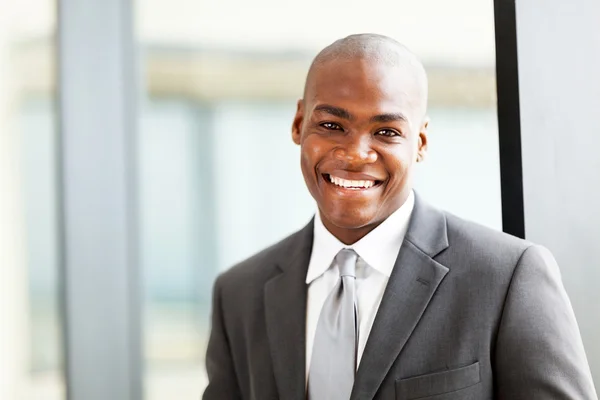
(356, 150)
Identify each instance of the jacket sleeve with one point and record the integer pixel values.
(539, 353)
(222, 380)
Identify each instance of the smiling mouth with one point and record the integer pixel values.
(351, 184)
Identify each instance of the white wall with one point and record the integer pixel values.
(559, 63)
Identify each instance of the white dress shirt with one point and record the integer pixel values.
(377, 253)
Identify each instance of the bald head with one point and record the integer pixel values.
(375, 50)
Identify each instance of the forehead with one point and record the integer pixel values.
(363, 86)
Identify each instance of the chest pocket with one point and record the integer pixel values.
(437, 383)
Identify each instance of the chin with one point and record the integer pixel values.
(350, 219)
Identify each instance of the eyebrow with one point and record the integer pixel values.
(344, 114)
(388, 118)
(336, 111)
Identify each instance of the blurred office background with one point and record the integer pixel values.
(217, 177)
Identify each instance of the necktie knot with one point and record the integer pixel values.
(346, 261)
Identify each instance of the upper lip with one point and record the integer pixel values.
(353, 176)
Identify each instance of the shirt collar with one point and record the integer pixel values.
(379, 248)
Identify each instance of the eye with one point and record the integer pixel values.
(388, 133)
(331, 126)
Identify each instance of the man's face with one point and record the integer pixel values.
(361, 130)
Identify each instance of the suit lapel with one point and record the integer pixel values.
(414, 279)
(285, 309)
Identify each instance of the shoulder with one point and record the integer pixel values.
(262, 266)
(480, 246)
(462, 230)
(494, 260)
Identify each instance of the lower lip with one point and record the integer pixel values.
(350, 191)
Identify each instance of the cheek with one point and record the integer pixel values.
(314, 149)
(398, 163)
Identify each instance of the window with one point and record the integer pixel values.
(221, 82)
(31, 341)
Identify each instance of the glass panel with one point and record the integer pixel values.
(31, 341)
(221, 83)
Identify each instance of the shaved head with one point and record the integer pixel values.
(376, 50)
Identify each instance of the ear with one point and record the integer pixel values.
(422, 141)
(298, 121)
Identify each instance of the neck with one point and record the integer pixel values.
(349, 236)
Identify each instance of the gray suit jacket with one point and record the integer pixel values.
(468, 313)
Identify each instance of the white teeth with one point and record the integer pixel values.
(351, 184)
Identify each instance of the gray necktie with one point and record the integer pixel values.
(333, 360)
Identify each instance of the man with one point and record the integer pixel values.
(382, 296)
